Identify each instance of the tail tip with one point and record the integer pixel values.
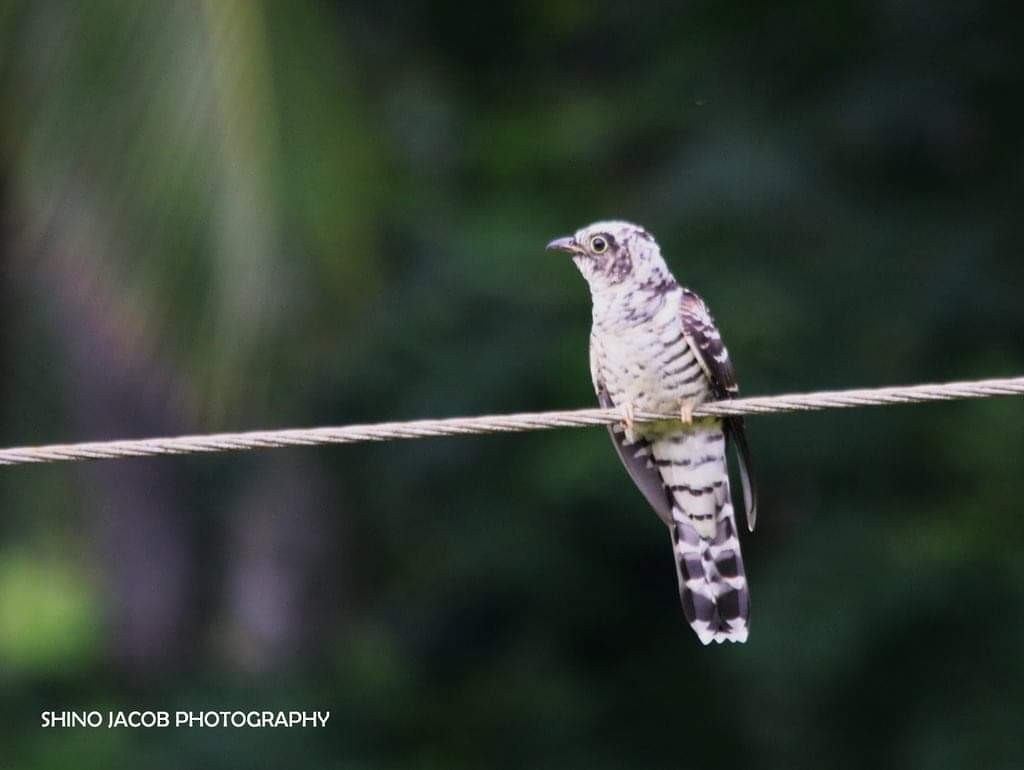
(736, 634)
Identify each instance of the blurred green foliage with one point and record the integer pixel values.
(228, 215)
(48, 615)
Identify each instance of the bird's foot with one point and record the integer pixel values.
(686, 413)
(628, 420)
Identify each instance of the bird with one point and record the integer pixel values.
(654, 347)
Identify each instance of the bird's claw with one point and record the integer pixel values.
(628, 420)
(686, 413)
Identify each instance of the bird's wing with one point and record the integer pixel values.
(706, 342)
(636, 456)
(640, 464)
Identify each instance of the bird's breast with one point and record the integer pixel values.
(651, 367)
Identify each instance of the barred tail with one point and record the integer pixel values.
(712, 582)
(709, 565)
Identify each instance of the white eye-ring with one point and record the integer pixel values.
(599, 244)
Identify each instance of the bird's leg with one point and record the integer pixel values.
(686, 413)
(628, 420)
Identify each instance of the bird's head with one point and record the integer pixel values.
(613, 254)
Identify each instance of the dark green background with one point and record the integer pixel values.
(222, 217)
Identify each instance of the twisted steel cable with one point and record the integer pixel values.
(509, 423)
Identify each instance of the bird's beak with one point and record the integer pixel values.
(567, 244)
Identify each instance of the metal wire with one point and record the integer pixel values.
(509, 423)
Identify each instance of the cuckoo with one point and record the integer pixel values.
(654, 347)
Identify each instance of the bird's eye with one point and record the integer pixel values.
(598, 244)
